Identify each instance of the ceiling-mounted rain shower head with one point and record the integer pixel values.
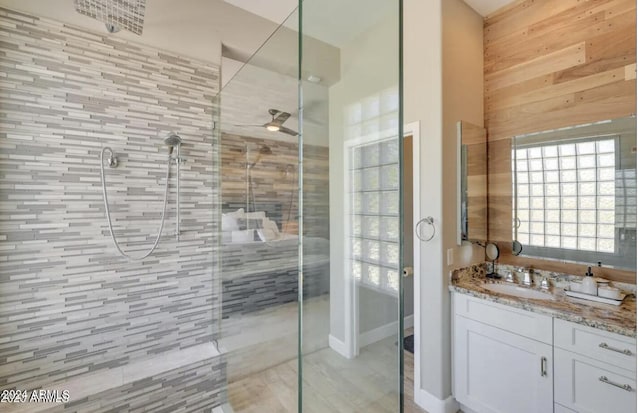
(172, 140)
(115, 14)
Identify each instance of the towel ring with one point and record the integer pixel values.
(430, 221)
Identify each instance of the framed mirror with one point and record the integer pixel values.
(472, 182)
(574, 193)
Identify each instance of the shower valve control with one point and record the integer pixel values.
(112, 161)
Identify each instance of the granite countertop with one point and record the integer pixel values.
(616, 319)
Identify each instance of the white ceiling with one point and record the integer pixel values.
(276, 11)
(332, 21)
(486, 7)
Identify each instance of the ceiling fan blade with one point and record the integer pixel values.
(288, 131)
(281, 118)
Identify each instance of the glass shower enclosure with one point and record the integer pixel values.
(178, 238)
(310, 244)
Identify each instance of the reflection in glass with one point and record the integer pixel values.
(346, 364)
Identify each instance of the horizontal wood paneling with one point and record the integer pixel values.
(551, 64)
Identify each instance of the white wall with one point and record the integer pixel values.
(423, 103)
(436, 58)
(369, 65)
(463, 90)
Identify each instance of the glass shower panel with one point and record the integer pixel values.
(351, 317)
(259, 225)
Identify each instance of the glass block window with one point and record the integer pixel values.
(626, 199)
(565, 195)
(373, 190)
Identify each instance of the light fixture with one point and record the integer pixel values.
(273, 128)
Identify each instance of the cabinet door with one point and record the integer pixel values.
(496, 371)
(591, 386)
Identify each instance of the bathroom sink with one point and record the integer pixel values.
(517, 291)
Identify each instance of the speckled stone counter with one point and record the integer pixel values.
(616, 319)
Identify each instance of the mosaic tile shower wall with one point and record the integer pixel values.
(69, 304)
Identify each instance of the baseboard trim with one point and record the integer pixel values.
(377, 334)
(465, 409)
(369, 337)
(408, 321)
(339, 347)
(432, 404)
(382, 332)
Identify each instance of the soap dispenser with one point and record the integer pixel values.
(589, 285)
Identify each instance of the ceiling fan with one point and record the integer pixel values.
(278, 117)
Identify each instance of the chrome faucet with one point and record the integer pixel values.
(528, 278)
(544, 283)
(509, 277)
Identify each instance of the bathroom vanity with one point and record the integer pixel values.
(545, 354)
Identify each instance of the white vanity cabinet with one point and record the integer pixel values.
(508, 360)
(503, 358)
(595, 371)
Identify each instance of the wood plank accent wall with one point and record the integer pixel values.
(550, 64)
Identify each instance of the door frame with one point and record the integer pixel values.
(413, 129)
(352, 294)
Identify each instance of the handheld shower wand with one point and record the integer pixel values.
(174, 141)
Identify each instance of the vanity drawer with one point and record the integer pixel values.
(590, 386)
(601, 345)
(525, 323)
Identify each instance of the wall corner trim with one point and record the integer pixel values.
(432, 404)
(339, 347)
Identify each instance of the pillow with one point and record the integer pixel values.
(240, 237)
(244, 224)
(267, 235)
(270, 225)
(255, 215)
(236, 214)
(229, 223)
(269, 231)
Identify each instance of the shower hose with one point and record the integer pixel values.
(108, 213)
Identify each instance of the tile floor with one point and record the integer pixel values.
(331, 384)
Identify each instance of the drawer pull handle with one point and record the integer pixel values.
(543, 366)
(626, 352)
(626, 387)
